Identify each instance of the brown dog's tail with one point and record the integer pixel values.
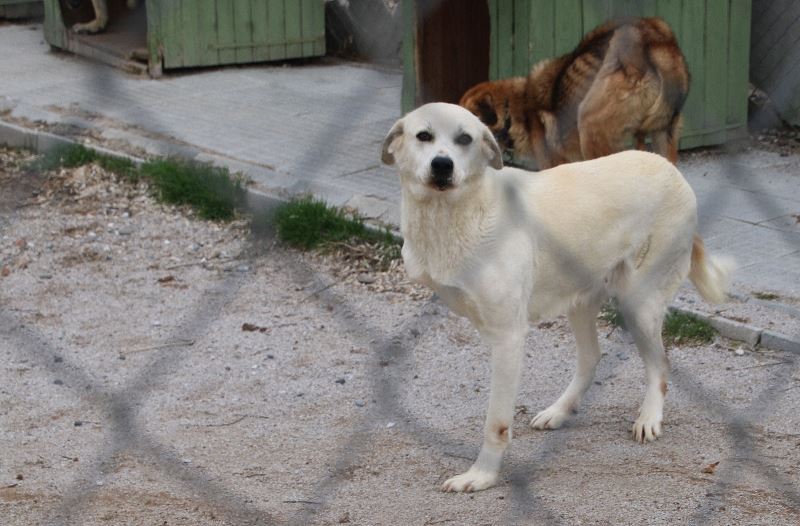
(710, 274)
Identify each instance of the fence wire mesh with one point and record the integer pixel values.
(525, 484)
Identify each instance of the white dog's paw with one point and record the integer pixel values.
(551, 418)
(472, 480)
(646, 429)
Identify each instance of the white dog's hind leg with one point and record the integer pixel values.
(583, 320)
(506, 365)
(644, 321)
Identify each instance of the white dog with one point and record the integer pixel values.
(505, 247)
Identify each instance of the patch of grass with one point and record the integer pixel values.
(681, 328)
(76, 155)
(308, 223)
(767, 296)
(70, 156)
(211, 190)
(611, 315)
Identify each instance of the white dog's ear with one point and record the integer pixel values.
(493, 150)
(390, 143)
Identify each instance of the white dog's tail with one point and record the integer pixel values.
(710, 275)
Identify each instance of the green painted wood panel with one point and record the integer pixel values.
(277, 29)
(214, 32)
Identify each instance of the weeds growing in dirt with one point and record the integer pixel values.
(212, 191)
(679, 328)
(308, 223)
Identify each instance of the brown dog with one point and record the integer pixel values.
(625, 78)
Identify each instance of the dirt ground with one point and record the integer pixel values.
(157, 369)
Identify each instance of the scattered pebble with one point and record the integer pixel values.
(360, 403)
(340, 381)
(366, 278)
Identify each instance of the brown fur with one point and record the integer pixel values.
(625, 78)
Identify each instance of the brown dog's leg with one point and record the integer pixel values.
(639, 137)
(538, 140)
(665, 142)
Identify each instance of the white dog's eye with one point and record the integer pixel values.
(424, 136)
(463, 139)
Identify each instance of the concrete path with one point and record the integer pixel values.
(318, 128)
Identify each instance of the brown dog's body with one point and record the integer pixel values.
(625, 78)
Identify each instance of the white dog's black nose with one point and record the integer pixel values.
(442, 171)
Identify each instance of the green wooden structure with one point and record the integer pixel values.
(14, 9)
(714, 36)
(166, 34)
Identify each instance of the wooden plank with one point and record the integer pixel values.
(189, 33)
(738, 61)
(307, 26)
(225, 31)
(542, 30)
(409, 90)
(494, 40)
(568, 25)
(276, 26)
(693, 27)
(205, 13)
(53, 24)
(318, 19)
(294, 29)
(521, 63)
(505, 42)
(648, 8)
(670, 11)
(595, 12)
(716, 64)
(260, 21)
(168, 14)
(243, 31)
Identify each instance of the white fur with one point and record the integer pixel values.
(507, 247)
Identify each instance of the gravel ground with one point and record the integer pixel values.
(158, 369)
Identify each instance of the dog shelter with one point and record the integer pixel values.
(451, 45)
(167, 34)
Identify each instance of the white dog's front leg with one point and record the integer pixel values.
(506, 364)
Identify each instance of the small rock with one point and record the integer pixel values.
(243, 268)
(366, 279)
(58, 381)
(125, 230)
(58, 359)
(390, 425)
(45, 276)
(360, 403)
(340, 381)
(739, 351)
(186, 460)
(77, 423)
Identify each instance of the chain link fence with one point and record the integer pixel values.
(523, 492)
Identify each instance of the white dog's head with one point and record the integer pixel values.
(440, 148)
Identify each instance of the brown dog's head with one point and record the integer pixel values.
(494, 102)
